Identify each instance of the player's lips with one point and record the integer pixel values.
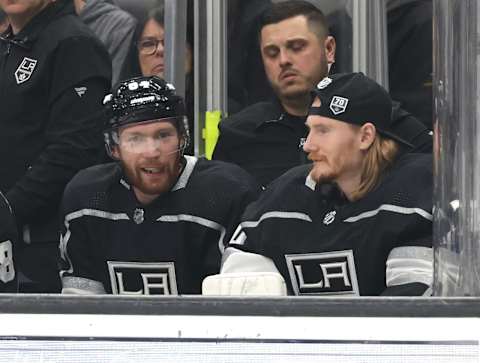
(152, 171)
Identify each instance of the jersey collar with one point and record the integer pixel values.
(186, 173)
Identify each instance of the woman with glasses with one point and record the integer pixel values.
(147, 56)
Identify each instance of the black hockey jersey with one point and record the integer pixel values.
(111, 243)
(8, 240)
(325, 245)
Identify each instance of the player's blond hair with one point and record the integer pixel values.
(380, 157)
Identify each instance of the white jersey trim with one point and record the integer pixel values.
(409, 264)
(95, 213)
(186, 173)
(198, 220)
(310, 183)
(81, 286)
(276, 214)
(239, 237)
(390, 208)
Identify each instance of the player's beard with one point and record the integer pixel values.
(325, 170)
(154, 184)
(323, 174)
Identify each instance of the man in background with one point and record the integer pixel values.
(53, 75)
(266, 138)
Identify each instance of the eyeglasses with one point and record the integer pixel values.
(149, 46)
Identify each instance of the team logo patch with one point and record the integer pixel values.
(138, 215)
(326, 273)
(142, 278)
(25, 70)
(338, 105)
(324, 83)
(329, 217)
(80, 91)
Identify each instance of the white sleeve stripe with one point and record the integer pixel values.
(417, 252)
(96, 213)
(390, 208)
(276, 214)
(398, 276)
(78, 214)
(198, 220)
(410, 264)
(81, 285)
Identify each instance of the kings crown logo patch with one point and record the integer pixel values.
(25, 70)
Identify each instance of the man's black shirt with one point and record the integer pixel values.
(263, 139)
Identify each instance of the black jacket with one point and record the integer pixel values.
(53, 76)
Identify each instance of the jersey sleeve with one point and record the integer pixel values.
(8, 240)
(73, 129)
(409, 266)
(80, 272)
(241, 190)
(249, 233)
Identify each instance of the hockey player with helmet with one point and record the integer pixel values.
(156, 221)
(356, 222)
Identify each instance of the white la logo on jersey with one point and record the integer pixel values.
(325, 273)
(25, 70)
(338, 105)
(142, 278)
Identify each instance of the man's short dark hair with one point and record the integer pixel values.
(278, 12)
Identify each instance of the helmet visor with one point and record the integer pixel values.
(159, 136)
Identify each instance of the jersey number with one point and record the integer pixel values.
(7, 271)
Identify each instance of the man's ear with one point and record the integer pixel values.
(115, 153)
(330, 49)
(368, 132)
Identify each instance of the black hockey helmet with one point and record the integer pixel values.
(143, 99)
